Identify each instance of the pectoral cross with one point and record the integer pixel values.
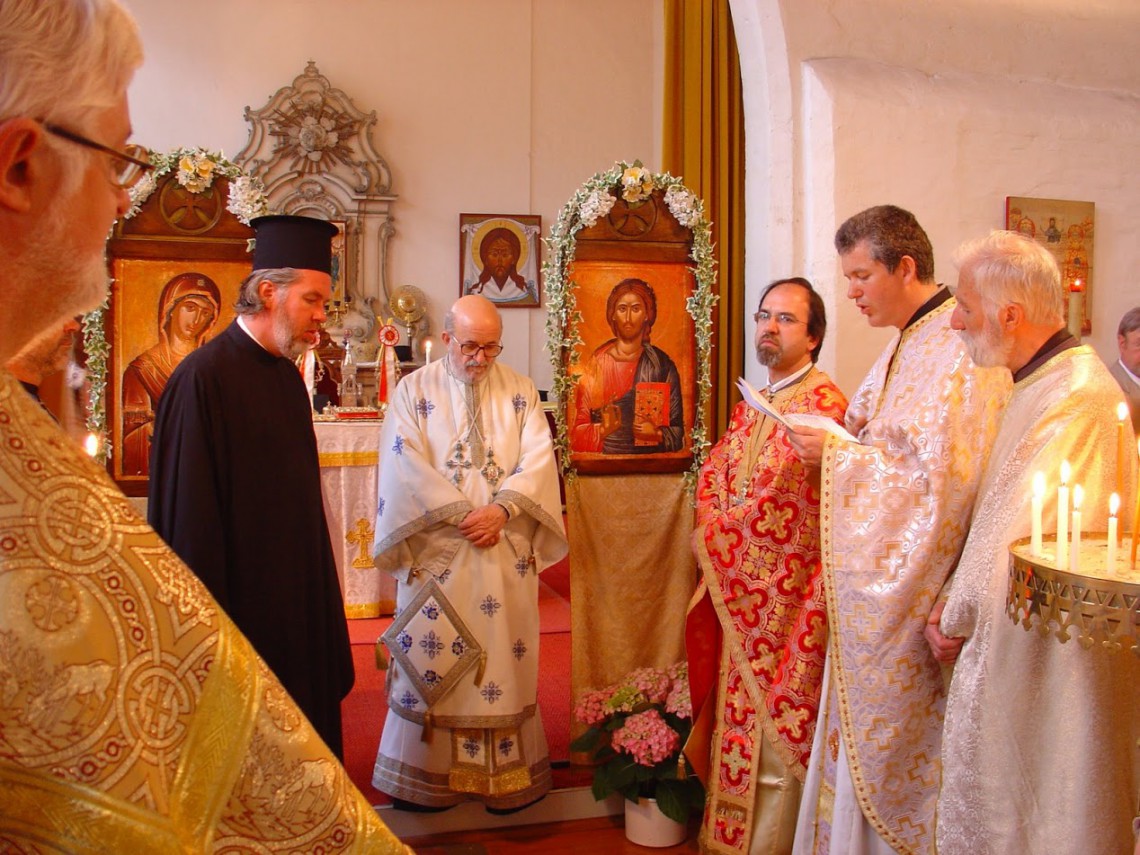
(361, 536)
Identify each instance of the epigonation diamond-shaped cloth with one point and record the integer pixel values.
(432, 644)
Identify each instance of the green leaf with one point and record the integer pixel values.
(588, 741)
(672, 800)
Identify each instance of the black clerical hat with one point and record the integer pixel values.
(283, 240)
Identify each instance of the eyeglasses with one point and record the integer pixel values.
(130, 163)
(784, 319)
(470, 348)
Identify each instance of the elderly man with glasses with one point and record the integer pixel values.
(468, 515)
(135, 716)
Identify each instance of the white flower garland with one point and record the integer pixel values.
(592, 201)
(197, 169)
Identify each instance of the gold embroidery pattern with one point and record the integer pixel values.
(360, 536)
(134, 716)
(895, 514)
(488, 762)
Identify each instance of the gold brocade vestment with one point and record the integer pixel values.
(134, 717)
(896, 511)
(1040, 748)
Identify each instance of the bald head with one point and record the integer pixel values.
(472, 308)
(473, 324)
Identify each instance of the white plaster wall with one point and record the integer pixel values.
(944, 109)
(500, 106)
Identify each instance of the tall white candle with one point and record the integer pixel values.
(1038, 503)
(1113, 507)
(1121, 446)
(1063, 518)
(1075, 550)
(427, 351)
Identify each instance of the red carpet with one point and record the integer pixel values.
(364, 709)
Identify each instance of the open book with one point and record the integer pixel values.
(791, 420)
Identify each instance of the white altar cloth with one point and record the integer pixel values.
(348, 452)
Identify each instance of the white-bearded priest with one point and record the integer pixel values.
(895, 512)
(756, 633)
(468, 515)
(1039, 752)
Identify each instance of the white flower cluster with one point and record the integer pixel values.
(196, 171)
(247, 198)
(595, 206)
(685, 207)
(636, 183)
(141, 191)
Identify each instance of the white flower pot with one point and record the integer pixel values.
(645, 825)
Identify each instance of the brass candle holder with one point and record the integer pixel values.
(1096, 605)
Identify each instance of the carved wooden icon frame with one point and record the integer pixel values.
(176, 268)
(633, 404)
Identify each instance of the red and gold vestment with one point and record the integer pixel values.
(757, 543)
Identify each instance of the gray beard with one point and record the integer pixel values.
(77, 285)
(283, 336)
(769, 358)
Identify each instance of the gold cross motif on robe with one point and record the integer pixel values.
(361, 536)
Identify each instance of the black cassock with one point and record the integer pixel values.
(235, 490)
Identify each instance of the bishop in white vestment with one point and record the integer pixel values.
(468, 514)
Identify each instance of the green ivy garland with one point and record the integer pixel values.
(196, 170)
(592, 201)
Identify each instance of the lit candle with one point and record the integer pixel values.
(1076, 309)
(1063, 518)
(1121, 453)
(91, 445)
(1038, 502)
(1135, 518)
(1075, 550)
(1113, 507)
(427, 351)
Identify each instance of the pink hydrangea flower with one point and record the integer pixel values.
(651, 682)
(646, 738)
(591, 708)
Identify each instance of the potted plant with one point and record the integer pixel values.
(636, 729)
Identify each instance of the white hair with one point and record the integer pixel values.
(60, 60)
(1007, 267)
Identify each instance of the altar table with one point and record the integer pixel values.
(348, 453)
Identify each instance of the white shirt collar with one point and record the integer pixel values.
(1135, 379)
(773, 388)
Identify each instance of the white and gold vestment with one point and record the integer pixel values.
(462, 716)
(134, 716)
(895, 512)
(1040, 743)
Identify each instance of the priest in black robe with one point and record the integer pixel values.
(234, 480)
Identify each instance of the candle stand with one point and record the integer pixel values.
(1097, 606)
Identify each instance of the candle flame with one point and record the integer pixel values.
(91, 445)
(1065, 470)
(1121, 411)
(1078, 494)
(1113, 504)
(1039, 485)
